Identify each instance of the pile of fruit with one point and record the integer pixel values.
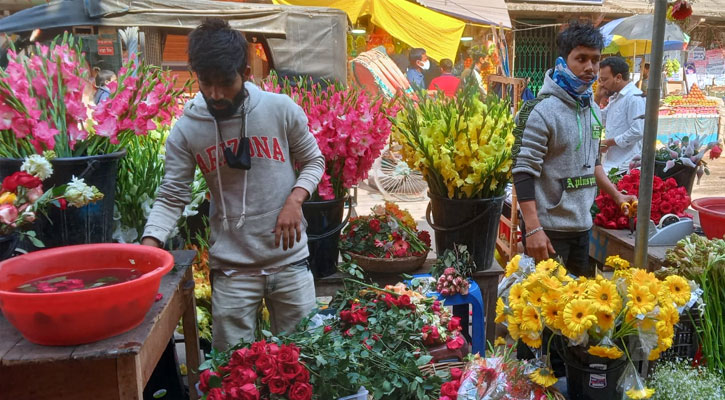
(693, 103)
(672, 66)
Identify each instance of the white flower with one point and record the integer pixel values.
(78, 193)
(37, 166)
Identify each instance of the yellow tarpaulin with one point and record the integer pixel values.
(414, 25)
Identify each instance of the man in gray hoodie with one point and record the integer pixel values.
(556, 154)
(246, 143)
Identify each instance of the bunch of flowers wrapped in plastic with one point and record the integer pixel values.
(22, 196)
(595, 315)
(351, 129)
(261, 370)
(667, 198)
(389, 232)
(42, 106)
(461, 145)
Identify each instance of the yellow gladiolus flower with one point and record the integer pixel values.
(617, 262)
(544, 377)
(500, 341)
(612, 352)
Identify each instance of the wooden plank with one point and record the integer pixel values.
(131, 341)
(25, 352)
(128, 375)
(191, 334)
(62, 380)
(608, 242)
(9, 337)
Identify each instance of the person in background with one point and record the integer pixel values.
(556, 164)
(447, 82)
(601, 97)
(417, 63)
(103, 78)
(474, 72)
(642, 83)
(527, 93)
(258, 241)
(623, 126)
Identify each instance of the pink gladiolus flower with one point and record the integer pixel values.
(44, 133)
(108, 128)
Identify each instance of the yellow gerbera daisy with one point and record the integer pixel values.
(605, 320)
(579, 316)
(514, 330)
(543, 376)
(573, 290)
(654, 354)
(500, 311)
(641, 300)
(500, 341)
(536, 296)
(550, 283)
(562, 274)
(532, 340)
(517, 294)
(530, 320)
(641, 277)
(547, 266)
(612, 352)
(550, 313)
(669, 315)
(513, 265)
(679, 289)
(637, 394)
(605, 296)
(616, 262)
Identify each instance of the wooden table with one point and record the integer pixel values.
(114, 368)
(612, 242)
(486, 280)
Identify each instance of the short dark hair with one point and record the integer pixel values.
(579, 34)
(446, 65)
(217, 52)
(617, 65)
(415, 55)
(104, 76)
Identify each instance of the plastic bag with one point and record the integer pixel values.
(632, 385)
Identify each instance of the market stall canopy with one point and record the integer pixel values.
(297, 45)
(632, 35)
(491, 12)
(414, 25)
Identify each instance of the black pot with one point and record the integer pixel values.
(682, 174)
(589, 377)
(7, 245)
(324, 223)
(92, 223)
(471, 222)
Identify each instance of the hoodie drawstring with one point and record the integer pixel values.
(225, 224)
(244, 188)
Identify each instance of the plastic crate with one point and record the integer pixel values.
(685, 341)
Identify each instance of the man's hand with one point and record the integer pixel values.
(606, 144)
(622, 198)
(289, 220)
(539, 246)
(149, 241)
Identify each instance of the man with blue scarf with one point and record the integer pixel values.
(557, 166)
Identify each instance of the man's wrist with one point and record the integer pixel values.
(298, 195)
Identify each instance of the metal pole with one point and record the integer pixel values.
(650, 135)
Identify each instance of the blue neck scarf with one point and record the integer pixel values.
(577, 88)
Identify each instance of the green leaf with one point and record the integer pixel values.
(35, 241)
(320, 360)
(423, 360)
(215, 381)
(266, 333)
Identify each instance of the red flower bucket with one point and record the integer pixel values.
(712, 216)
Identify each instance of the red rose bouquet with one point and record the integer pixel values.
(667, 198)
(388, 232)
(261, 371)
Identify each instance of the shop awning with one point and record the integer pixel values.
(490, 12)
(417, 26)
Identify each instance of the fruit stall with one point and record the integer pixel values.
(688, 115)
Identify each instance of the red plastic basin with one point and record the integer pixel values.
(712, 216)
(85, 316)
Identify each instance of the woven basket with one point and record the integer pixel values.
(388, 265)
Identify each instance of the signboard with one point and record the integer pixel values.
(696, 54)
(716, 66)
(105, 47)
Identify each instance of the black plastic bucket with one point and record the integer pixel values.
(472, 222)
(589, 377)
(324, 223)
(8, 244)
(682, 174)
(92, 223)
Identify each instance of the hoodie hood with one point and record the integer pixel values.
(197, 108)
(552, 89)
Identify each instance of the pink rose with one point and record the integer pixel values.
(8, 214)
(245, 392)
(456, 374)
(34, 194)
(290, 370)
(450, 389)
(300, 391)
(241, 357)
(215, 394)
(303, 376)
(288, 354)
(204, 379)
(278, 385)
(266, 365)
(454, 324)
(243, 375)
(455, 343)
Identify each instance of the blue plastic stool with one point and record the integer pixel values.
(474, 298)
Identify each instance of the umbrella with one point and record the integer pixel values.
(632, 35)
